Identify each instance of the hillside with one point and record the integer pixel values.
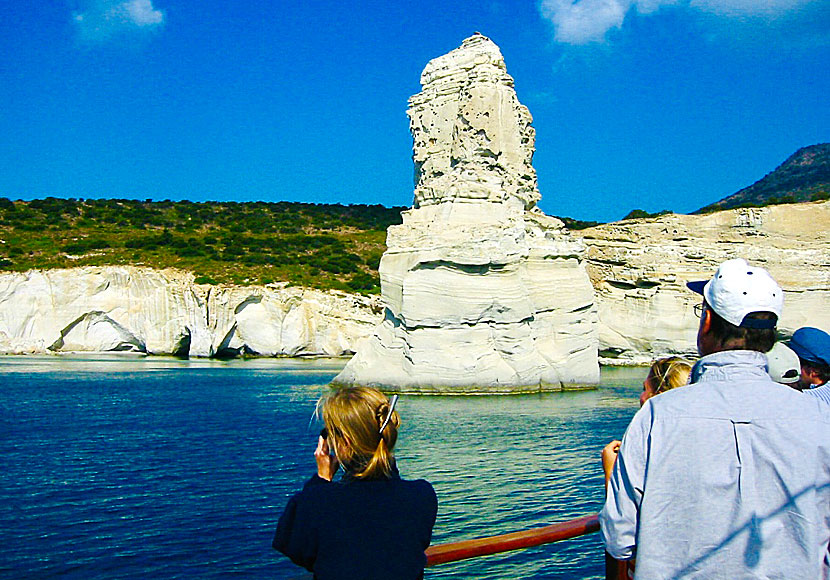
(804, 176)
(315, 245)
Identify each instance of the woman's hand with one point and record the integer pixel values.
(609, 457)
(327, 464)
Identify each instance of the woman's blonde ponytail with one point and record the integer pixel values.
(354, 417)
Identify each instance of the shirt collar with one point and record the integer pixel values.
(730, 364)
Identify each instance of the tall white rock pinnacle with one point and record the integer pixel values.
(482, 291)
(472, 138)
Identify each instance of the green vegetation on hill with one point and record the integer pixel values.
(317, 245)
(639, 213)
(575, 224)
(804, 176)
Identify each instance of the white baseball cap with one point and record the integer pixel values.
(738, 289)
(784, 366)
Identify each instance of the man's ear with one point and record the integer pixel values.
(706, 321)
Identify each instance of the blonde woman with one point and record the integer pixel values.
(665, 374)
(370, 524)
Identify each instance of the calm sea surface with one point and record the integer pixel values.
(159, 468)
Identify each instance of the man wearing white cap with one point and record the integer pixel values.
(728, 477)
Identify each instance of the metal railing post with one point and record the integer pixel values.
(616, 569)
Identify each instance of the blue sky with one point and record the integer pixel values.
(651, 104)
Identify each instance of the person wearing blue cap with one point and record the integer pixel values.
(728, 477)
(812, 345)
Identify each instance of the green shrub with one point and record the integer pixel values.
(254, 259)
(230, 253)
(189, 251)
(363, 281)
(781, 200)
(639, 214)
(373, 259)
(574, 224)
(84, 245)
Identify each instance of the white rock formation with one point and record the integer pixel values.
(639, 269)
(164, 312)
(483, 292)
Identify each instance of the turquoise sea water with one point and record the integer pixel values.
(129, 468)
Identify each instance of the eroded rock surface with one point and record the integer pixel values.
(639, 270)
(164, 312)
(483, 292)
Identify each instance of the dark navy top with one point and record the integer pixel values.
(356, 529)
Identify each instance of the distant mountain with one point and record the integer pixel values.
(804, 176)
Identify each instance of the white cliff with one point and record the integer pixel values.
(163, 312)
(483, 292)
(639, 269)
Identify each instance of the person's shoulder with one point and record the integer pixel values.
(421, 485)
(676, 398)
(819, 402)
(315, 489)
(764, 395)
(690, 400)
(806, 405)
(420, 488)
(821, 392)
(815, 413)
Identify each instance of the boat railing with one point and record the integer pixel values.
(455, 551)
(465, 549)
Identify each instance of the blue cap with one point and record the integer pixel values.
(811, 344)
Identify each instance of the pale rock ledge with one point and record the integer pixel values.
(639, 269)
(99, 309)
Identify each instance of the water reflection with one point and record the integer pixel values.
(502, 464)
(133, 362)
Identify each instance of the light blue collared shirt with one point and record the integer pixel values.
(822, 392)
(728, 477)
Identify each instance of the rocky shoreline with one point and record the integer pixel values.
(637, 268)
(164, 312)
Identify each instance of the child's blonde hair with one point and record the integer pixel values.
(353, 417)
(669, 373)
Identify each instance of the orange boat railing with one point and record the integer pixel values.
(455, 551)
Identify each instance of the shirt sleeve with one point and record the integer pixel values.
(619, 518)
(296, 534)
